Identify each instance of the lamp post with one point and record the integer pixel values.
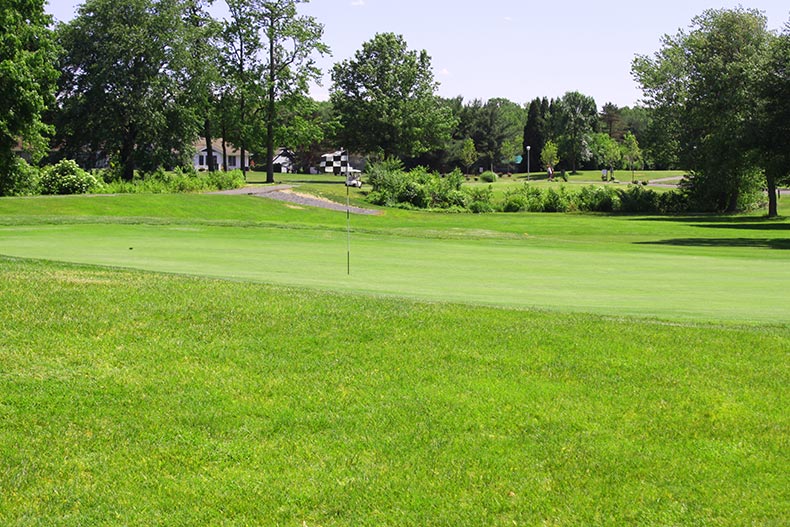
(528, 149)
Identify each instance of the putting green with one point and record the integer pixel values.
(671, 281)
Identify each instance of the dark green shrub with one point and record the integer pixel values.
(17, 177)
(555, 201)
(66, 177)
(488, 176)
(593, 198)
(514, 201)
(637, 199)
(672, 202)
(480, 199)
(225, 180)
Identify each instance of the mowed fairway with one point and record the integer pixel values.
(233, 374)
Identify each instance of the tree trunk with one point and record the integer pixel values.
(270, 113)
(127, 154)
(224, 152)
(773, 209)
(209, 148)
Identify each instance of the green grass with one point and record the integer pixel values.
(148, 399)
(704, 268)
(527, 369)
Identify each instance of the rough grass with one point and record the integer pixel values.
(147, 399)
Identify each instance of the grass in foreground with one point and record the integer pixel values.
(150, 399)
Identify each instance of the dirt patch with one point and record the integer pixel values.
(287, 194)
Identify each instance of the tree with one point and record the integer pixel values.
(701, 87)
(469, 155)
(631, 152)
(534, 132)
(496, 127)
(292, 41)
(202, 72)
(605, 150)
(122, 89)
(576, 119)
(612, 119)
(773, 118)
(244, 69)
(385, 100)
(549, 157)
(27, 81)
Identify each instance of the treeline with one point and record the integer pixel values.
(137, 82)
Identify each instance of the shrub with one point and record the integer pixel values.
(514, 201)
(480, 199)
(66, 177)
(488, 176)
(555, 201)
(17, 177)
(593, 198)
(226, 180)
(638, 199)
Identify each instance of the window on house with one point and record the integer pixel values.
(231, 161)
(201, 160)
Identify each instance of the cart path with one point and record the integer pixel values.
(286, 193)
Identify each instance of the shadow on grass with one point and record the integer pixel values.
(750, 243)
(717, 219)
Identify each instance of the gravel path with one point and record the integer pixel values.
(286, 193)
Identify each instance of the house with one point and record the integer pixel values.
(200, 159)
(338, 163)
(284, 161)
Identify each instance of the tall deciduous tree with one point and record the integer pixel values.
(202, 78)
(631, 152)
(292, 41)
(702, 89)
(576, 119)
(773, 118)
(27, 81)
(386, 101)
(122, 88)
(244, 70)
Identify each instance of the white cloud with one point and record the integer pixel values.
(358, 3)
(508, 19)
(444, 72)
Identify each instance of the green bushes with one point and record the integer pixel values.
(66, 177)
(392, 186)
(177, 181)
(17, 177)
(488, 177)
(422, 189)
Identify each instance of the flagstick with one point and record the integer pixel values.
(348, 220)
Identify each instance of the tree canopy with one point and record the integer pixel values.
(702, 89)
(385, 100)
(27, 81)
(123, 85)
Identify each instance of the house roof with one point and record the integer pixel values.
(216, 146)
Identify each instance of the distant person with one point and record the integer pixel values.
(550, 172)
(604, 175)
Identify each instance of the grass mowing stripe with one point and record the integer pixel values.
(139, 398)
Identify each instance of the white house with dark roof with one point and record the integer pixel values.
(201, 158)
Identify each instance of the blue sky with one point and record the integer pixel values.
(518, 49)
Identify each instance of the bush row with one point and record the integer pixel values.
(421, 189)
(591, 198)
(66, 177)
